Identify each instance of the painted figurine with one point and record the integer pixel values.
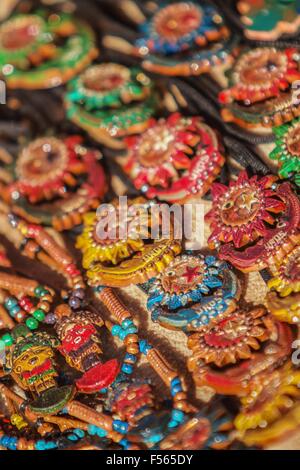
(31, 363)
(80, 345)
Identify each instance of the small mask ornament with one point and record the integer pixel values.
(287, 150)
(111, 101)
(118, 250)
(175, 159)
(270, 410)
(55, 182)
(80, 345)
(268, 20)
(192, 291)
(243, 213)
(44, 50)
(31, 363)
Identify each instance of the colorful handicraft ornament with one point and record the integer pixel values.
(192, 292)
(242, 218)
(287, 150)
(80, 345)
(124, 253)
(268, 20)
(175, 159)
(260, 88)
(182, 38)
(55, 182)
(111, 101)
(44, 50)
(208, 429)
(271, 410)
(284, 299)
(230, 339)
(30, 361)
(246, 344)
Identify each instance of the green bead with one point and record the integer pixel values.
(32, 323)
(38, 290)
(2, 345)
(7, 339)
(39, 315)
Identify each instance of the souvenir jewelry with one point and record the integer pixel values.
(37, 243)
(44, 50)
(192, 292)
(175, 159)
(283, 300)
(269, 19)
(55, 182)
(208, 429)
(111, 101)
(287, 150)
(30, 361)
(240, 215)
(182, 39)
(231, 338)
(236, 379)
(242, 211)
(128, 258)
(260, 74)
(80, 345)
(272, 403)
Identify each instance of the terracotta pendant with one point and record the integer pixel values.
(287, 150)
(175, 159)
(183, 39)
(242, 214)
(55, 182)
(192, 292)
(230, 339)
(284, 299)
(260, 74)
(43, 50)
(268, 20)
(110, 102)
(31, 363)
(236, 379)
(208, 429)
(80, 345)
(124, 253)
(270, 410)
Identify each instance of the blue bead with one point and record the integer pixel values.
(130, 357)
(127, 368)
(79, 432)
(73, 437)
(116, 329)
(123, 334)
(124, 443)
(11, 302)
(40, 445)
(173, 424)
(132, 330)
(14, 310)
(175, 381)
(144, 346)
(176, 389)
(126, 323)
(120, 426)
(178, 415)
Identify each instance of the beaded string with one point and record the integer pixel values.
(19, 306)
